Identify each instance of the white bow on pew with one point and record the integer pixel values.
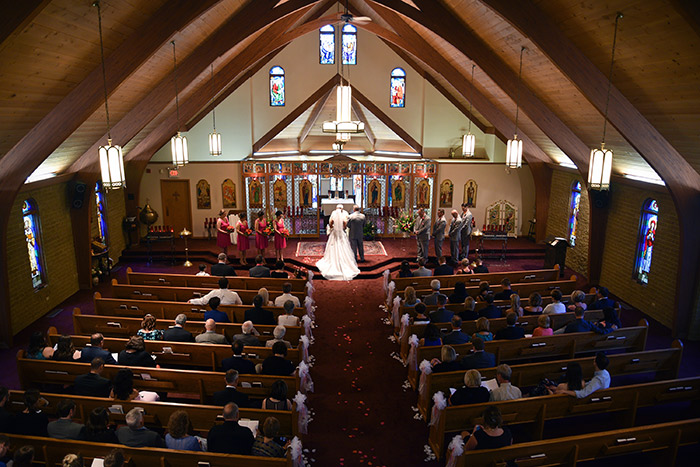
(425, 370)
(304, 348)
(310, 307)
(439, 405)
(295, 447)
(299, 400)
(306, 383)
(413, 353)
(454, 450)
(405, 320)
(307, 322)
(395, 312)
(390, 293)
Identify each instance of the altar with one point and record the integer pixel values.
(328, 205)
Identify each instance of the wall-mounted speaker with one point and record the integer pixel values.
(600, 199)
(76, 194)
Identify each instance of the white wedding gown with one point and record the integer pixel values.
(338, 262)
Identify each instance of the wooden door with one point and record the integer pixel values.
(177, 211)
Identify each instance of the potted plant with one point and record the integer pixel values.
(370, 231)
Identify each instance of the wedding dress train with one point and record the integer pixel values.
(338, 262)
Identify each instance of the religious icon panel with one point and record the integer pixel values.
(374, 194)
(228, 192)
(470, 193)
(423, 194)
(255, 194)
(446, 193)
(203, 195)
(279, 189)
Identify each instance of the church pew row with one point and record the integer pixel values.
(50, 453)
(186, 280)
(36, 373)
(624, 400)
(118, 326)
(661, 441)
(664, 364)
(631, 339)
(181, 354)
(203, 417)
(182, 294)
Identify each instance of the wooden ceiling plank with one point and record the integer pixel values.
(16, 15)
(313, 117)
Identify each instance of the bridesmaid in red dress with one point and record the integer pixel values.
(280, 240)
(243, 241)
(260, 237)
(223, 236)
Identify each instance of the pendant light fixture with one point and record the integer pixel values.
(111, 159)
(514, 153)
(600, 166)
(178, 143)
(469, 140)
(214, 137)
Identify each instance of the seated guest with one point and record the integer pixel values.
(178, 436)
(443, 268)
(279, 271)
(134, 354)
(230, 437)
(65, 427)
(237, 361)
(573, 379)
(278, 334)
(221, 268)
(483, 326)
(511, 331)
(505, 390)
(266, 297)
(287, 295)
(214, 313)
(95, 350)
(38, 348)
(92, 384)
(490, 311)
(226, 296)
(534, 304)
(448, 360)
(65, 351)
(288, 318)
(123, 388)
(135, 434)
(484, 290)
(468, 314)
(202, 270)
(610, 319)
(178, 333)
(277, 364)
(24, 457)
(543, 328)
(258, 314)
(409, 297)
(432, 299)
(265, 444)
(556, 307)
(148, 329)
(515, 304)
(431, 336)
(478, 358)
(32, 421)
(259, 270)
(97, 429)
(472, 392)
(72, 460)
(442, 314)
(421, 317)
(456, 336)
(230, 393)
(464, 267)
(491, 435)
(210, 336)
(248, 335)
(460, 294)
(422, 271)
(480, 268)
(577, 300)
(581, 325)
(405, 269)
(277, 400)
(4, 448)
(600, 380)
(114, 458)
(602, 301)
(5, 417)
(505, 292)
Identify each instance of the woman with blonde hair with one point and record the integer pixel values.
(409, 297)
(263, 292)
(448, 360)
(472, 392)
(178, 437)
(515, 304)
(483, 327)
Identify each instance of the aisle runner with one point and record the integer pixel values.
(318, 248)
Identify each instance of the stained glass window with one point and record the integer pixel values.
(32, 234)
(645, 243)
(398, 87)
(349, 45)
(101, 213)
(574, 207)
(326, 39)
(277, 86)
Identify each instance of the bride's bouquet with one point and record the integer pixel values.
(404, 222)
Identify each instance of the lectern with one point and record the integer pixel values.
(556, 253)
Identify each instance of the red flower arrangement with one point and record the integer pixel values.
(269, 230)
(230, 229)
(284, 232)
(248, 232)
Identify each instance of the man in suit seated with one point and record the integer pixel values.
(259, 270)
(221, 268)
(422, 271)
(65, 427)
(92, 384)
(480, 268)
(230, 437)
(237, 361)
(478, 358)
(432, 299)
(511, 331)
(582, 325)
(442, 314)
(95, 350)
(443, 268)
(135, 434)
(248, 335)
(505, 292)
(456, 336)
(178, 333)
(277, 364)
(227, 297)
(602, 301)
(259, 315)
(210, 336)
(230, 393)
(214, 313)
(490, 311)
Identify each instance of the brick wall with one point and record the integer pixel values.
(26, 304)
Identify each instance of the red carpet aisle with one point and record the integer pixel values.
(363, 414)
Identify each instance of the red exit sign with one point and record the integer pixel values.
(173, 173)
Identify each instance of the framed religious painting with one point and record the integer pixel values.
(374, 194)
(423, 194)
(255, 194)
(470, 193)
(279, 189)
(228, 193)
(305, 194)
(398, 191)
(203, 195)
(446, 193)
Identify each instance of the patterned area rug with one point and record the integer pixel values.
(318, 248)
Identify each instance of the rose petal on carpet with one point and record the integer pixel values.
(318, 248)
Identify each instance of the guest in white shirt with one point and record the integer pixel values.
(287, 295)
(600, 380)
(202, 270)
(556, 307)
(227, 297)
(288, 319)
(505, 390)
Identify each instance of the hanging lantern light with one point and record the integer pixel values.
(514, 152)
(214, 137)
(178, 143)
(469, 140)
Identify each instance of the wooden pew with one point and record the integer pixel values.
(566, 286)
(50, 452)
(203, 417)
(35, 373)
(632, 339)
(624, 400)
(211, 282)
(662, 439)
(665, 364)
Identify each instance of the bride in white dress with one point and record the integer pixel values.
(338, 262)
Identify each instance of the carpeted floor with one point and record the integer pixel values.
(319, 248)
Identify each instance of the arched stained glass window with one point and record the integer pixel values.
(574, 207)
(648, 222)
(349, 45)
(277, 86)
(32, 234)
(398, 87)
(101, 213)
(326, 39)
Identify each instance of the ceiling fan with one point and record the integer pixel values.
(348, 17)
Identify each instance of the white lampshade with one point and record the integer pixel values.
(343, 109)
(112, 166)
(514, 155)
(600, 168)
(468, 144)
(178, 147)
(215, 143)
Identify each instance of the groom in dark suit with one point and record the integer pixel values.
(356, 225)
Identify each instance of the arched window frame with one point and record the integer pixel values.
(327, 34)
(397, 99)
(101, 213)
(349, 44)
(32, 234)
(574, 210)
(645, 240)
(276, 79)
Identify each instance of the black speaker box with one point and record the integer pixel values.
(76, 194)
(600, 199)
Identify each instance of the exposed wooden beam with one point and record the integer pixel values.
(16, 15)
(690, 11)
(361, 117)
(313, 116)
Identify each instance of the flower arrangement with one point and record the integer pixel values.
(284, 232)
(248, 232)
(230, 229)
(269, 230)
(404, 222)
(369, 231)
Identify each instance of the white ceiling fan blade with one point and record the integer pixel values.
(362, 19)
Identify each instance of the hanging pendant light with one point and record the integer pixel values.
(600, 166)
(111, 158)
(469, 140)
(178, 143)
(214, 137)
(514, 148)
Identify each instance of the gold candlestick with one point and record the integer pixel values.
(184, 234)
